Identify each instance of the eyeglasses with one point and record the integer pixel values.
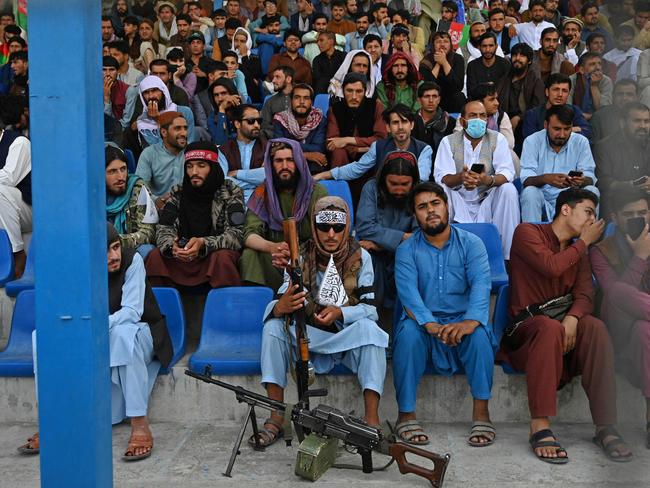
(252, 120)
(338, 228)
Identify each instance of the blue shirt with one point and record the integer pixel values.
(160, 169)
(444, 285)
(247, 179)
(538, 158)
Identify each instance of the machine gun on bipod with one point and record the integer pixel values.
(328, 425)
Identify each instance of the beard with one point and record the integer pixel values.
(398, 202)
(288, 184)
(434, 230)
(519, 70)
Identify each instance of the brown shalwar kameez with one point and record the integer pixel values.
(540, 271)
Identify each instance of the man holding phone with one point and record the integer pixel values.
(475, 168)
(620, 263)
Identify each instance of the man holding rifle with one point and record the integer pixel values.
(338, 299)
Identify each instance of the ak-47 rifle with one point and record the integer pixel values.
(328, 422)
(302, 365)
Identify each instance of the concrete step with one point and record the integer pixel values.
(179, 398)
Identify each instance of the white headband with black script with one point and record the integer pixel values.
(331, 217)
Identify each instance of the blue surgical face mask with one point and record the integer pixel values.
(476, 128)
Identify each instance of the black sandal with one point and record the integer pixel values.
(267, 437)
(536, 442)
(612, 446)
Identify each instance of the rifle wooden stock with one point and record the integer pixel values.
(436, 476)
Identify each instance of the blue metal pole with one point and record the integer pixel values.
(69, 226)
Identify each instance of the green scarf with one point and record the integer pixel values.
(116, 210)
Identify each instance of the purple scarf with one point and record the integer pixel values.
(265, 201)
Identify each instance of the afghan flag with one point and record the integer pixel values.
(459, 34)
(20, 11)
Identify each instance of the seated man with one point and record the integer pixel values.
(291, 58)
(305, 124)
(620, 264)
(15, 189)
(399, 82)
(126, 204)
(338, 334)
(241, 158)
(475, 168)
(353, 122)
(161, 165)
(443, 282)
(552, 160)
(139, 345)
(288, 190)
(119, 98)
(280, 101)
(591, 89)
(431, 122)
(384, 220)
(400, 121)
(548, 265)
(607, 121)
(199, 235)
(558, 87)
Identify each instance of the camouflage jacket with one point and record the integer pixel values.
(137, 233)
(228, 216)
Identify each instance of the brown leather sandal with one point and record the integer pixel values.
(136, 441)
(29, 448)
(267, 437)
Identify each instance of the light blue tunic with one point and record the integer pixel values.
(247, 179)
(359, 343)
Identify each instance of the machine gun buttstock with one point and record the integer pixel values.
(435, 476)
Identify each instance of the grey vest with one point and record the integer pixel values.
(488, 146)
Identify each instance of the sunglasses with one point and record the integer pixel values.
(338, 228)
(252, 120)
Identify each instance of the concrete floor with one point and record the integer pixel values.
(195, 455)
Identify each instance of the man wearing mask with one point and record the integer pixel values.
(199, 235)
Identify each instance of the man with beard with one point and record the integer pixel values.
(558, 87)
(282, 79)
(326, 63)
(139, 345)
(431, 122)
(497, 22)
(339, 332)
(521, 89)
(165, 26)
(607, 120)
(530, 32)
(550, 264)
(354, 40)
(553, 160)
(291, 58)
(620, 264)
(309, 40)
(443, 282)
(161, 164)
(119, 98)
(399, 82)
(591, 89)
(161, 69)
(479, 195)
(288, 190)
(338, 23)
(589, 13)
(125, 72)
(305, 124)
(123, 207)
(623, 159)
(200, 232)
(572, 46)
(489, 67)
(400, 122)
(353, 123)
(547, 60)
(384, 220)
(471, 51)
(241, 158)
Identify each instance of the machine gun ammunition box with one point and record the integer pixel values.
(316, 455)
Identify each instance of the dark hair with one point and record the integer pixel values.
(237, 113)
(230, 54)
(303, 86)
(328, 34)
(18, 55)
(426, 187)
(159, 62)
(270, 19)
(564, 114)
(108, 18)
(618, 199)
(624, 29)
(557, 79)
(8, 14)
(19, 40)
(110, 62)
(641, 6)
(513, 4)
(487, 35)
(287, 70)
(218, 65)
(482, 90)
(630, 107)
(338, 3)
(587, 5)
(403, 13)
(496, 11)
(361, 15)
(319, 16)
(111, 153)
(369, 38)
(440, 35)
(425, 86)
(588, 56)
(175, 53)
(535, 3)
(450, 5)
(121, 46)
(291, 32)
(350, 78)
(547, 31)
(626, 81)
(184, 17)
(524, 49)
(13, 29)
(593, 36)
(397, 166)
(401, 110)
(572, 197)
(220, 12)
(132, 20)
(232, 23)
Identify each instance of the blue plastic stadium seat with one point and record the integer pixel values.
(130, 161)
(16, 359)
(26, 281)
(6, 258)
(322, 101)
(490, 237)
(501, 320)
(171, 307)
(340, 189)
(231, 335)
